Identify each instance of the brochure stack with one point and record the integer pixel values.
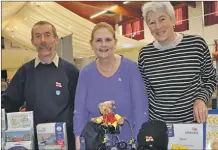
(3, 127)
(52, 136)
(20, 131)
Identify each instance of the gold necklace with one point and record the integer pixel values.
(109, 70)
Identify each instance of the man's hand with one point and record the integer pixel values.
(200, 111)
(22, 109)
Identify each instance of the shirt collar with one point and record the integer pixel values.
(55, 60)
(173, 44)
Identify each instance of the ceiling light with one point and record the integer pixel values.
(112, 8)
(98, 14)
(104, 11)
(126, 2)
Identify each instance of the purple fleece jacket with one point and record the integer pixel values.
(126, 87)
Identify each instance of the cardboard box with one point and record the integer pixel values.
(52, 134)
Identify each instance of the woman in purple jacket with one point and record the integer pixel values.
(110, 77)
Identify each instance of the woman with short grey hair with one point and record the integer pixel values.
(176, 68)
(154, 7)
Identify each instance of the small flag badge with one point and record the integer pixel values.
(58, 92)
(58, 84)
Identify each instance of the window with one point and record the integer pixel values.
(178, 13)
(128, 30)
(216, 8)
(136, 27)
(134, 30)
(182, 23)
(210, 13)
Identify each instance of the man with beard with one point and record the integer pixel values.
(46, 84)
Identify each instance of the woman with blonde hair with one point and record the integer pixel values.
(109, 77)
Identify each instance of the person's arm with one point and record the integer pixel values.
(142, 71)
(208, 75)
(77, 142)
(208, 79)
(80, 109)
(13, 96)
(139, 98)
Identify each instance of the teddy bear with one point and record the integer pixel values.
(108, 120)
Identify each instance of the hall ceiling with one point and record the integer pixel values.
(18, 19)
(70, 18)
(117, 11)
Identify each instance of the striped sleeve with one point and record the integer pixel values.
(208, 74)
(141, 69)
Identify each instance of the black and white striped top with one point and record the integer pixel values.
(176, 77)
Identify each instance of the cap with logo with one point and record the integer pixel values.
(153, 134)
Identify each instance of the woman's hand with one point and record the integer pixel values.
(77, 142)
(200, 111)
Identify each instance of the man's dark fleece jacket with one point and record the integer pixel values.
(48, 91)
